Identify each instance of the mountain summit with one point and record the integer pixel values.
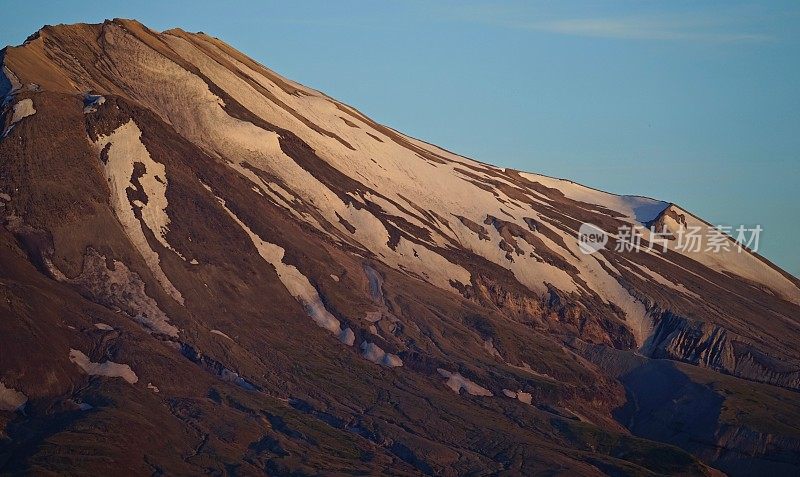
(208, 268)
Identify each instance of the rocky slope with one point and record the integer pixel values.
(248, 276)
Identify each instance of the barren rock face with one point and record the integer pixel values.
(288, 286)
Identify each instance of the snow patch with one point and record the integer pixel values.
(374, 353)
(106, 368)
(22, 110)
(91, 102)
(375, 284)
(347, 337)
(295, 282)
(457, 382)
(125, 150)
(121, 287)
(11, 399)
(522, 396)
(637, 208)
(103, 326)
(488, 345)
(220, 333)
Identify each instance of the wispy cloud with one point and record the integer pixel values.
(646, 28)
(711, 26)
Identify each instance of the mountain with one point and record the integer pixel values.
(208, 268)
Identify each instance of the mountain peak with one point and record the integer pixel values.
(223, 258)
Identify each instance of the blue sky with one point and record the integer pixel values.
(694, 102)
